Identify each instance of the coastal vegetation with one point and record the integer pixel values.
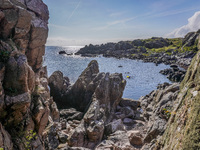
(155, 49)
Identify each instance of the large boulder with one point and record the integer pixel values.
(58, 85)
(79, 94)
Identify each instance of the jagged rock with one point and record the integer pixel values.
(157, 108)
(156, 43)
(62, 137)
(157, 128)
(19, 77)
(23, 24)
(114, 126)
(6, 4)
(109, 93)
(1, 15)
(55, 114)
(62, 52)
(104, 101)
(51, 140)
(22, 30)
(135, 137)
(125, 112)
(80, 94)
(18, 108)
(174, 74)
(71, 114)
(127, 121)
(39, 8)
(117, 140)
(11, 17)
(25, 103)
(134, 104)
(58, 86)
(84, 87)
(40, 114)
(138, 42)
(182, 131)
(5, 139)
(190, 38)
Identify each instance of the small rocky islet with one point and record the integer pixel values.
(91, 113)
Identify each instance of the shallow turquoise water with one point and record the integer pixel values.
(144, 77)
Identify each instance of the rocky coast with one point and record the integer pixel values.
(179, 51)
(38, 112)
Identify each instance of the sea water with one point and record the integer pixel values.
(144, 77)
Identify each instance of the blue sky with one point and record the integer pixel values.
(80, 22)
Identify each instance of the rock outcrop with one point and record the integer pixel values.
(183, 131)
(26, 107)
(94, 94)
(174, 73)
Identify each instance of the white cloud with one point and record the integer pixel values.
(193, 25)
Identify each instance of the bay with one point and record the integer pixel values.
(144, 77)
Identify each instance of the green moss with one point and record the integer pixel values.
(183, 130)
(146, 54)
(192, 132)
(176, 42)
(4, 56)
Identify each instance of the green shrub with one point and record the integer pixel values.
(31, 136)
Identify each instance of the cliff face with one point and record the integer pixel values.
(25, 103)
(183, 130)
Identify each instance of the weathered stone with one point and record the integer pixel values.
(11, 17)
(19, 77)
(127, 121)
(6, 4)
(134, 104)
(23, 24)
(117, 140)
(54, 112)
(35, 57)
(58, 86)
(39, 8)
(135, 137)
(18, 108)
(77, 139)
(18, 100)
(1, 15)
(5, 139)
(62, 137)
(39, 33)
(114, 126)
(113, 84)
(71, 114)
